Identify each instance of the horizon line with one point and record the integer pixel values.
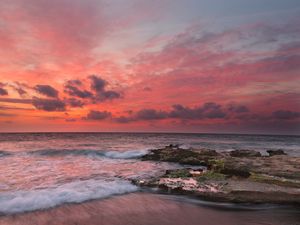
(143, 132)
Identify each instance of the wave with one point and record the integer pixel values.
(74, 192)
(125, 155)
(80, 152)
(3, 153)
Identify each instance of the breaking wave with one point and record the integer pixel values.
(74, 192)
(3, 153)
(80, 152)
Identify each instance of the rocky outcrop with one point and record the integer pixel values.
(182, 156)
(237, 176)
(276, 152)
(245, 153)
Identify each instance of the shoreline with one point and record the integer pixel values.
(152, 208)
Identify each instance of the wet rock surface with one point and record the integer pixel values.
(237, 176)
(276, 152)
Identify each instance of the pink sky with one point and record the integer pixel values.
(162, 66)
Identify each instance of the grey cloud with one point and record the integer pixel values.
(73, 90)
(76, 103)
(46, 90)
(97, 115)
(49, 105)
(3, 91)
(286, 115)
(150, 114)
(238, 108)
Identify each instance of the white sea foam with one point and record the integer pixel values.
(74, 192)
(125, 155)
(98, 153)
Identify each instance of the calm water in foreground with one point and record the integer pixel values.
(42, 171)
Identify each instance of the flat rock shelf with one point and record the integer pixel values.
(240, 176)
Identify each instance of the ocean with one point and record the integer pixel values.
(40, 171)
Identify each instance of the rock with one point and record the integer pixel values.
(240, 172)
(206, 152)
(182, 156)
(192, 161)
(237, 176)
(179, 173)
(244, 153)
(276, 152)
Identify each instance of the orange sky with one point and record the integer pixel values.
(168, 66)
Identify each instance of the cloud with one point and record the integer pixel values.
(238, 108)
(231, 61)
(286, 115)
(97, 115)
(3, 91)
(209, 110)
(108, 95)
(98, 85)
(16, 100)
(49, 105)
(150, 114)
(20, 88)
(21, 91)
(46, 90)
(98, 90)
(75, 103)
(71, 88)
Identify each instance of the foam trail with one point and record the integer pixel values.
(125, 155)
(74, 192)
(3, 153)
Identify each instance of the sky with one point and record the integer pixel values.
(150, 66)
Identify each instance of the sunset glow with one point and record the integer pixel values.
(149, 66)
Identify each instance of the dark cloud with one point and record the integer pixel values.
(16, 100)
(97, 92)
(109, 95)
(20, 90)
(124, 119)
(238, 108)
(49, 105)
(73, 102)
(14, 108)
(285, 115)
(150, 114)
(46, 90)
(73, 90)
(209, 110)
(97, 115)
(97, 84)
(3, 91)
(75, 82)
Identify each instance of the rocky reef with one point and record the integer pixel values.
(241, 176)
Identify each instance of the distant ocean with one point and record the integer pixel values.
(43, 170)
